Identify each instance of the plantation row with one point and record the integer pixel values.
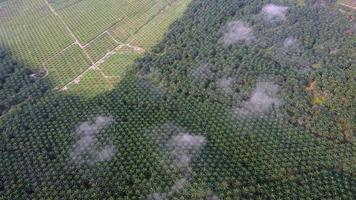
(23, 23)
(242, 158)
(308, 55)
(199, 118)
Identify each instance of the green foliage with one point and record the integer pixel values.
(313, 33)
(18, 83)
(275, 155)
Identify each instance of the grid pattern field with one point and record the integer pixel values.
(120, 63)
(95, 80)
(129, 26)
(67, 66)
(65, 38)
(154, 30)
(89, 18)
(100, 46)
(30, 32)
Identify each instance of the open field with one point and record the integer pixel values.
(120, 63)
(68, 38)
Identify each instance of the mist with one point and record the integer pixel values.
(225, 85)
(236, 32)
(87, 149)
(262, 99)
(274, 13)
(292, 45)
(202, 74)
(181, 147)
(184, 146)
(289, 42)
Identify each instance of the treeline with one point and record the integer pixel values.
(314, 43)
(194, 81)
(18, 83)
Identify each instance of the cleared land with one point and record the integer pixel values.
(69, 38)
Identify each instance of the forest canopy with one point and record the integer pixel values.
(240, 100)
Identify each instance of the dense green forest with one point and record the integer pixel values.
(18, 83)
(240, 100)
(312, 45)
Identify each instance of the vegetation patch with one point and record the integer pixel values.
(150, 34)
(18, 83)
(120, 64)
(100, 46)
(67, 66)
(60, 4)
(9, 10)
(167, 128)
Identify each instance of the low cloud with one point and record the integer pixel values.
(236, 32)
(289, 42)
(182, 147)
(262, 100)
(274, 13)
(149, 87)
(202, 74)
(292, 45)
(87, 149)
(225, 85)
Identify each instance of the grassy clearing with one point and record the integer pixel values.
(90, 85)
(119, 63)
(153, 32)
(100, 46)
(67, 66)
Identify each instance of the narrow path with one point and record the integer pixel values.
(94, 65)
(76, 40)
(101, 61)
(87, 44)
(112, 37)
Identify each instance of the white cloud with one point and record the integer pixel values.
(237, 31)
(184, 146)
(181, 147)
(226, 85)
(274, 13)
(262, 99)
(86, 149)
(289, 42)
(202, 73)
